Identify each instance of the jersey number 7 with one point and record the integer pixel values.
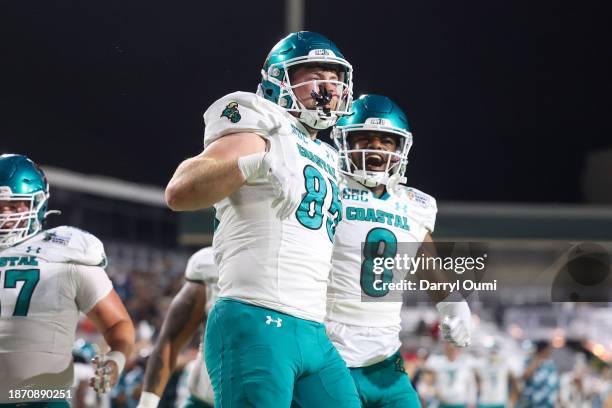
(30, 278)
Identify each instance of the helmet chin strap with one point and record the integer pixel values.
(370, 179)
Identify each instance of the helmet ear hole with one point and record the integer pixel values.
(269, 92)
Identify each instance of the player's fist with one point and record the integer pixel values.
(107, 369)
(280, 166)
(106, 374)
(456, 322)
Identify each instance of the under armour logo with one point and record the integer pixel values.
(400, 207)
(270, 320)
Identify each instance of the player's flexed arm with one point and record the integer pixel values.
(217, 172)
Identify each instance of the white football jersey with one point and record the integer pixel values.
(455, 382)
(281, 265)
(201, 267)
(406, 216)
(45, 282)
(493, 381)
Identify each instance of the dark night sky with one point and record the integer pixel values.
(505, 97)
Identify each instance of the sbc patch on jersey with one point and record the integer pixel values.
(54, 237)
(231, 112)
(417, 196)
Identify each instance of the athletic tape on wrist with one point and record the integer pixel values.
(119, 358)
(148, 400)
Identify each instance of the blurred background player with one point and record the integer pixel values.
(374, 143)
(577, 388)
(455, 382)
(46, 279)
(274, 187)
(495, 380)
(187, 311)
(541, 379)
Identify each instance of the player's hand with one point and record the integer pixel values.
(456, 323)
(280, 166)
(106, 374)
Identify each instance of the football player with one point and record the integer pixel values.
(46, 278)
(455, 381)
(186, 313)
(496, 379)
(274, 187)
(374, 143)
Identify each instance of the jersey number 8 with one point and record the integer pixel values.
(310, 210)
(380, 244)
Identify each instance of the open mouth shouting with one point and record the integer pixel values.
(376, 161)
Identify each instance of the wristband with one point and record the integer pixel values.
(249, 164)
(119, 359)
(148, 400)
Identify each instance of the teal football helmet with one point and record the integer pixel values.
(305, 47)
(21, 182)
(379, 114)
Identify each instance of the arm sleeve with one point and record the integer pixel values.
(425, 207)
(430, 215)
(239, 112)
(91, 285)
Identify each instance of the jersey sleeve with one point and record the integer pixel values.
(72, 245)
(425, 206)
(91, 285)
(239, 112)
(201, 267)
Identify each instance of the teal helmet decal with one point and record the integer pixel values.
(305, 47)
(24, 193)
(373, 113)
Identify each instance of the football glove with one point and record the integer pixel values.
(280, 166)
(456, 322)
(107, 369)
